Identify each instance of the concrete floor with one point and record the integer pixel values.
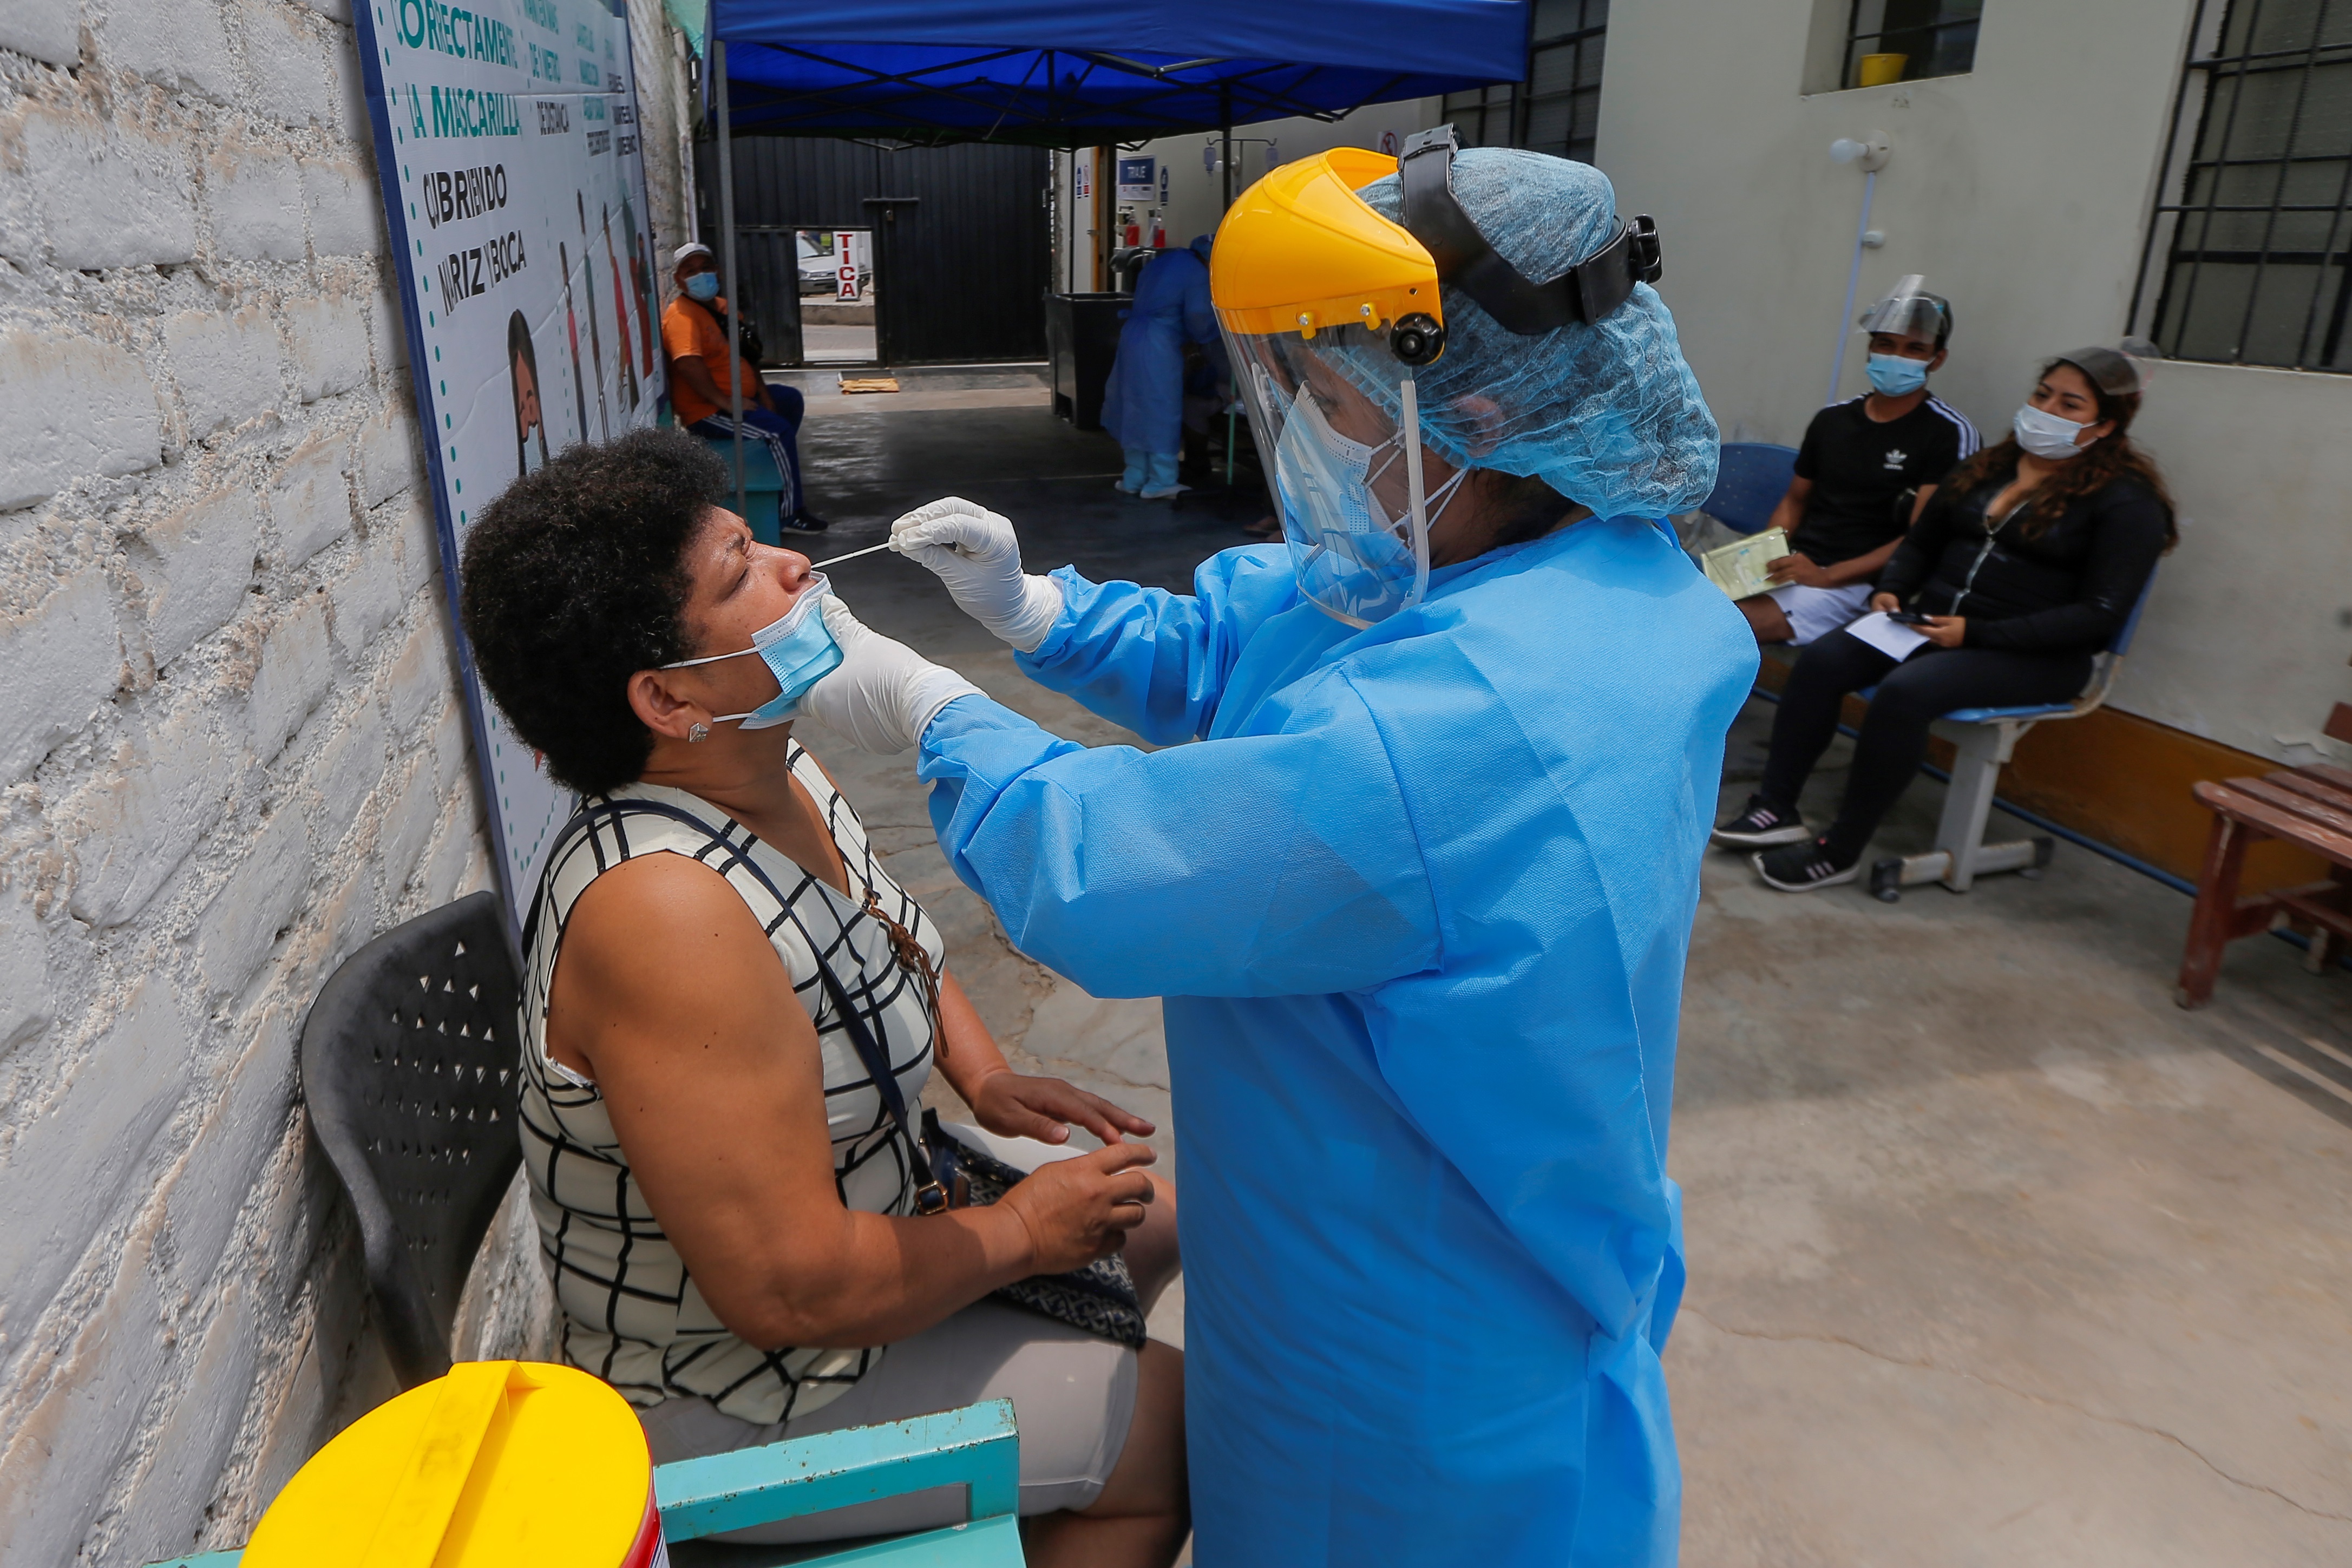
(826, 342)
(920, 389)
(1995, 1255)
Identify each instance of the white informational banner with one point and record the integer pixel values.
(506, 147)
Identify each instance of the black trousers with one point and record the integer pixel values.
(1930, 684)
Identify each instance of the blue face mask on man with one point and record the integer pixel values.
(702, 288)
(1896, 376)
(799, 650)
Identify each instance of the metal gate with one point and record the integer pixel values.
(961, 247)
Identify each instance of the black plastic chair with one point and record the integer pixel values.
(410, 1067)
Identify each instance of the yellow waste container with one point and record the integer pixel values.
(1880, 71)
(501, 1464)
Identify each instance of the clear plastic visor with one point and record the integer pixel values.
(1347, 475)
(1908, 312)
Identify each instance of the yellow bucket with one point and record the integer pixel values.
(1880, 71)
(500, 1464)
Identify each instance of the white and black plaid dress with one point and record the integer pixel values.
(630, 1314)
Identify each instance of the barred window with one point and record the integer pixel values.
(1558, 109)
(2246, 255)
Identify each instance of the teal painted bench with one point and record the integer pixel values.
(764, 481)
(977, 1448)
(763, 486)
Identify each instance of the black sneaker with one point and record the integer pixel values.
(808, 523)
(1800, 868)
(1760, 826)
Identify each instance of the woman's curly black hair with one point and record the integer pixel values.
(574, 579)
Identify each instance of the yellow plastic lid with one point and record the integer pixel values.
(500, 1463)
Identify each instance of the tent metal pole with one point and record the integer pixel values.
(1225, 155)
(727, 262)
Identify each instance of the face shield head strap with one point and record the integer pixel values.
(1586, 292)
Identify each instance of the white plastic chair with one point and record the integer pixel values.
(1983, 738)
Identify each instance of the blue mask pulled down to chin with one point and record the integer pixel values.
(799, 650)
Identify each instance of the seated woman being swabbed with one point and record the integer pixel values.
(729, 1012)
(2024, 564)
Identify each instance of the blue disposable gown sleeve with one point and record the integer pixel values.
(1271, 865)
(1156, 662)
(1200, 315)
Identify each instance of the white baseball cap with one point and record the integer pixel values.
(698, 248)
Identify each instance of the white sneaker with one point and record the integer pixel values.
(1162, 492)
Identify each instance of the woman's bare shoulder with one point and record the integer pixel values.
(655, 911)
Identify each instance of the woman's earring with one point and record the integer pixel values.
(697, 733)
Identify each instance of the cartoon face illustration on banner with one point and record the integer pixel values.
(531, 424)
(640, 279)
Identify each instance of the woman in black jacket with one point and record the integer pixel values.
(2026, 562)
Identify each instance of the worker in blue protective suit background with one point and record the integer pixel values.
(1420, 898)
(1144, 403)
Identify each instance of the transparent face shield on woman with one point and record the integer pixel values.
(1347, 475)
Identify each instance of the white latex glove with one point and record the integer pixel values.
(976, 555)
(885, 694)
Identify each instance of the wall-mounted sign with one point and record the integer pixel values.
(507, 151)
(1389, 142)
(1138, 179)
(1082, 179)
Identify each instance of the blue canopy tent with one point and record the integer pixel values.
(1076, 73)
(1081, 73)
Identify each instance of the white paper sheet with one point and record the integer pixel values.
(1890, 638)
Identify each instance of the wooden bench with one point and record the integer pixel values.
(2309, 807)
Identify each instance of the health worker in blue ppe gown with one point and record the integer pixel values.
(1144, 403)
(1419, 898)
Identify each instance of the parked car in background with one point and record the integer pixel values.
(819, 264)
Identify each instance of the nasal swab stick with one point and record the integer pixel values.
(853, 555)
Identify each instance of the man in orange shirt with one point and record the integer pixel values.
(694, 334)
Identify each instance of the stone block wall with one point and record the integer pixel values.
(232, 749)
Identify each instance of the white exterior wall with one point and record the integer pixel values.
(2022, 191)
(231, 750)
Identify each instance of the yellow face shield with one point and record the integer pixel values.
(1329, 309)
(1303, 269)
(1301, 252)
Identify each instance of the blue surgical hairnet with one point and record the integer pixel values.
(1607, 414)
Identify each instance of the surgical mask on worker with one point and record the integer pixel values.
(1896, 376)
(1352, 560)
(2045, 434)
(799, 650)
(702, 286)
